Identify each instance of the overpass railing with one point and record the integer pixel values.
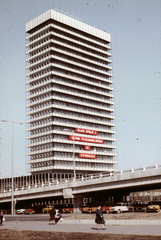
(83, 178)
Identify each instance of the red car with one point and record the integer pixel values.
(105, 209)
(29, 211)
(67, 210)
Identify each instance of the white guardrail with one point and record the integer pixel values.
(83, 178)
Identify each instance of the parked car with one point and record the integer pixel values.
(93, 209)
(105, 208)
(67, 210)
(46, 210)
(129, 206)
(20, 211)
(153, 208)
(140, 205)
(118, 208)
(29, 211)
(85, 209)
(37, 209)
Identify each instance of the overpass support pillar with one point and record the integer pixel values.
(77, 204)
(77, 199)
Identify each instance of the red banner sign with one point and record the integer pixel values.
(86, 147)
(87, 155)
(86, 131)
(86, 139)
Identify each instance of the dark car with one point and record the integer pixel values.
(37, 209)
(155, 202)
(140, 205)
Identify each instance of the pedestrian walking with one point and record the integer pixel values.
(58, 216)
(1, 217)
(99, 218)
(52, 215)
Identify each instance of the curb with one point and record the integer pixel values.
(115, 222)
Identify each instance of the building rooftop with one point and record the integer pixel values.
(60, 17)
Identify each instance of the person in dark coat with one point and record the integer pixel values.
(1, 217)
(99, 218)
(52, 215)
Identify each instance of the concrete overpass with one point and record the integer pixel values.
(120, 183)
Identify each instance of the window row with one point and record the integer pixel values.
(77, 147)
(68, 107)
(47, 120)
(52, 25)
(47, 137)
(67, 75)
(56, 128)
(79, 46)
(72, 61)
(42, 164)
(40, 114)
(68, 147)
(45, 104)
(57, 50)
(76, 156)
(41, 34)
(81, 116)
(73, 124)
(39, 43)
(42, 89)
(41, 130)
(67, 34)
(69, 43)
(40, 66)
(70, 164)
(58, 46)
(41, 147)
(39, 50)
(67, 99)
(42, 155)
(99, 95)
(39, 58)
(71, 67)
(76, 116)
(70, 81)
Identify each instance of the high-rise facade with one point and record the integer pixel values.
(70, 108)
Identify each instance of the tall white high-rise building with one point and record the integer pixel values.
(70, 108)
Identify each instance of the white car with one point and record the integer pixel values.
(118, 208)
(20, 211)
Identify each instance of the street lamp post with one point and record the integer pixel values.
(73, 151)
(74, 156)
(12, 192)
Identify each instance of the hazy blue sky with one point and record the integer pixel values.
(135, 28)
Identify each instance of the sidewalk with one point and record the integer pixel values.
(88, 226)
